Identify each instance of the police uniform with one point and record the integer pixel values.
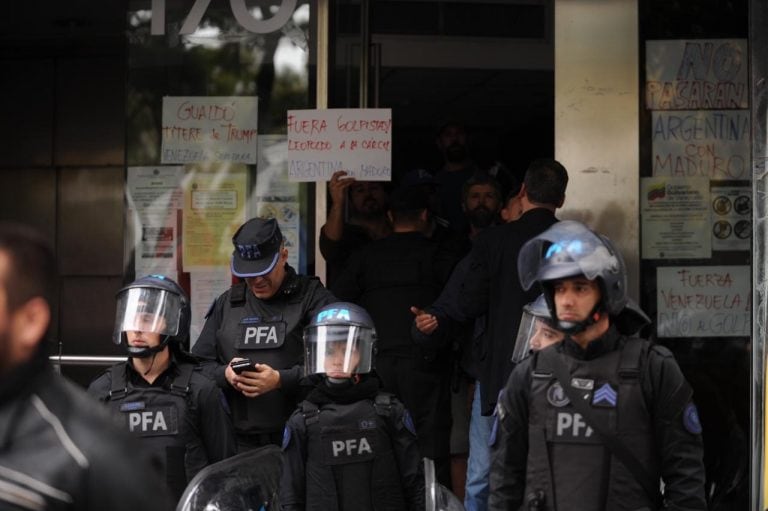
(545, 455)
(268, 332)
(354, 449)
(181, 414)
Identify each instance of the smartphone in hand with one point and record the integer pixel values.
(238, 366)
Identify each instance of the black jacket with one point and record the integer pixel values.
(60, 449)
(204, 436)
(337, 252)
(221, 339)
(492, 287)
(389, 276)
(677, 457)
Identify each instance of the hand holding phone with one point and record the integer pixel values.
(238, 366)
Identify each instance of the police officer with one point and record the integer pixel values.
(261, 319)
(597, 420)
(348, 445)
(536, 330)
(161, 393)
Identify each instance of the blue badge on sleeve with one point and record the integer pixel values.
(408, 422)
(691, 419)
(494, 430)
(286, 437)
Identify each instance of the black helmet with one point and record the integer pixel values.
(339, 341)
(571, 249)
(154, 304)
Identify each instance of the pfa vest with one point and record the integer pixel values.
(569, 466)
(267, 334)
(158, 417)
(350, 463)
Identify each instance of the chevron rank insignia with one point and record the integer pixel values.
(605, 396)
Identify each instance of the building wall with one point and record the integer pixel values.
(61, 170)
(596, 119)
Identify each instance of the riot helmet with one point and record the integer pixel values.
(570, 249)
(153, 304)
(339, 341)
(536, 331)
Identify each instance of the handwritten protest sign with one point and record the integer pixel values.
(699, 74)
(209, 129)
(702, 143)
(320, 142)
(704, 301)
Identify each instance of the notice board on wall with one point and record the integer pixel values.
(696, 197)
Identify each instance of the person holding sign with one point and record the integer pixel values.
(600, 419)
(260, 319)
(368, 202)
(386, 278)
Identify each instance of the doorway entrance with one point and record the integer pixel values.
(488, 65)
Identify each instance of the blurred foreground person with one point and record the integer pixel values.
(59, 450)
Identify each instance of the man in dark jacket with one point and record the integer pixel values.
(357, 216)
(386, 278)
(260, 319)
(597, 420)
(492, 286)
(59, 449)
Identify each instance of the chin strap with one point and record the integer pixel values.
(147, 352)
(570, 327)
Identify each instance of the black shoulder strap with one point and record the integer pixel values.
(631, 359)
(180, 384)
(383, 404)
(311, 412)
(618, 448)
(237, 295)
(119, 387)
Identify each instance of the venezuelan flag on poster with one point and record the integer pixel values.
(658, 191)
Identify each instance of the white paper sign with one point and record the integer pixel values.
(731, 218)
(320, 142)
(675, 218)
(704, 301)
(702, 143)
(696, 74)
(206, 286)
(209, 129)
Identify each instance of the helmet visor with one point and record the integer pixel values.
(338, 350)
(566, 249)
(535, 333)
(149, 310)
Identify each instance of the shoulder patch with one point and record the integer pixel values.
(286, 437)
(494, 430)
(661, 350)
(691, 419)
(408, 422)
